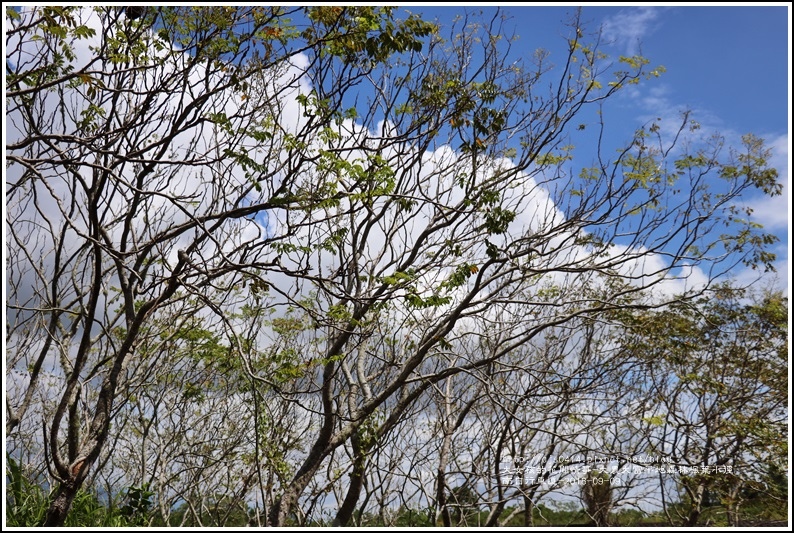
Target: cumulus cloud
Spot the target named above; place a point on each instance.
(431, 183)
(47, 213)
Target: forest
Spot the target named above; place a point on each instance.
(344, 266)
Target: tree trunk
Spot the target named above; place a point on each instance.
(732, 506)
(693, 517)
(697, 505)
(441, 500)
(345, 512)
(279, 512)
(528, 521)
(60, 505)
(351, 499)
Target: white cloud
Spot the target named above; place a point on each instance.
(774, 212)
(628, 27)
(656, 106)
(536, 210)
(392, 238)
(57, 192)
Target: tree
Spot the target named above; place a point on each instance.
(131, 187)
(717, 391)
(597, 497)
(386, 196)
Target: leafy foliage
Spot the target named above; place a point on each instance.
(272, 265)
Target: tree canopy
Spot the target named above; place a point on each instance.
(305, 265)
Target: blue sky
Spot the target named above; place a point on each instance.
(729, 60)
(728, 64)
